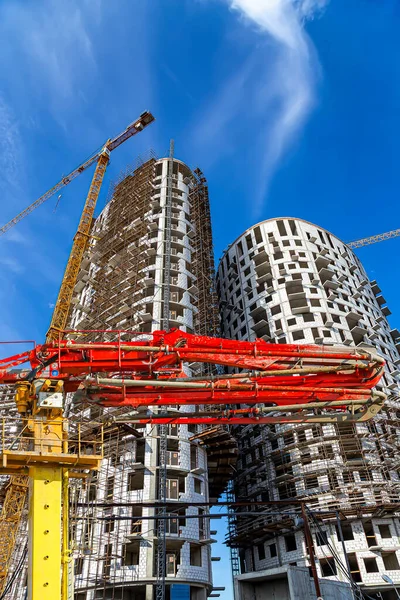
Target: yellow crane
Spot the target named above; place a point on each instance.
(16, 491)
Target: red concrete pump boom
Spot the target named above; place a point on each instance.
(335, 382)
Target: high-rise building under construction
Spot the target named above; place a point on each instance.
(149, 266)
(289, 281)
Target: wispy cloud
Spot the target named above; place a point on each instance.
(10, 146)
(276, 85)
(51, 44)
(12, 264)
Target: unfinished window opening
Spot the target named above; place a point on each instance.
(369, 533)
(310, 482)
(172, 489)
(136, 523)
(172, 563)
(384, 531)
(78, 567)
(261, 551)
(172, 445)
(290, 542)
(135, 480)
(272, 550)
(249, 242)
(195, 555)
(308, 317)
(315, 302)
(298, 335)
(107, 560)
(354, 568)
(92, 492)
(281, 228)
(293, 227)
(328, 566)
(110, 487)
(140, 451)
(171, 524)
(202, 524)
(321, 537)
(390, 561)
(173, 430)
(288, 438)
(130, 553)
(193, 456)
(197, 485)
(347, 532)
(110, 523)
(258, 235)
(87, 536)
(371, 565)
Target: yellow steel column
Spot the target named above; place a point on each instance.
(67, 580)
(45, 556)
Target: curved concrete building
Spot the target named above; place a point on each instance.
(149, 267)
(289, 281)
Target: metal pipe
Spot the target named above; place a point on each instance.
(346, 558)
(310, 546)
(252, 352)
(145, 382)
(212, 385)
(294, 371)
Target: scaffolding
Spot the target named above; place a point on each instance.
(326, 466)
(207, 321)
(114, 269)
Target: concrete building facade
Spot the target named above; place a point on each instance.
(153, 238)
(288, 281)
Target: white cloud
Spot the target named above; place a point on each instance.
(50, 43)
(12, 264)
(291, 83)
(10, 146)
(272, 93)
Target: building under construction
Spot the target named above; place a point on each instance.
(289, 281)
(150, 266)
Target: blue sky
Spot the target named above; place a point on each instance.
(290, 107)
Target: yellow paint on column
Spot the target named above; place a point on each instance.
(45, 557)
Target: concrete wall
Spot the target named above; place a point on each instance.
(291, 583)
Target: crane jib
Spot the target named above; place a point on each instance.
(145, 119)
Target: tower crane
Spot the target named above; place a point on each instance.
(17, 487)
(380, 237)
